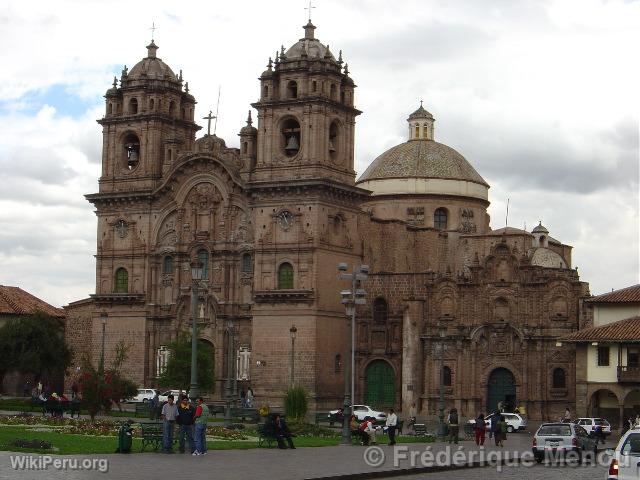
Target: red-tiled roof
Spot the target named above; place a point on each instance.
(627, 330)
(15, 301)
(624, 295)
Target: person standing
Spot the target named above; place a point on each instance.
(452, 422)
(154, 405)
(501, 432)
(186, 417)
(169, 415)
(201, 419)
(413, 416)
(74, 390)
(243, 398)
(567, 415)
(39, 388)
(250, 397)
(391, 423)
(493, 421)
(480, 429)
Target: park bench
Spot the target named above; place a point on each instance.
(266, 435)
(469, 433)
(142, 408)
(37, 404)
(326, 417)
(215, 409)
(242, 414)
(74, 407)
(420, 429)
(151, 435)
(53, 407)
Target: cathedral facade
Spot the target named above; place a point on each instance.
(269, 222)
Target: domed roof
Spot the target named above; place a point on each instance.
(152, 67)
(543, 257)
(309, 46)
(422, 159)
(420, 113)
(249, 129)
(540, 229)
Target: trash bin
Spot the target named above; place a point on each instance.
(125, 435)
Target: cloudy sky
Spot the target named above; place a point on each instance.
(540, 96)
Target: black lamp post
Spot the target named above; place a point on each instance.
(196, 276)
(103, 317)
(442, 331)
(293, 332)
(229, 386)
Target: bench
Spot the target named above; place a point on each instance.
(469, 431)
(326, 417)
(36, 403)
(420, 429)
(215, 409)
(243, 413)
(151, 435)
(142, 408)
(54, 407)
(74, 407)
(266, 435)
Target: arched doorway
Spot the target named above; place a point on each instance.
(380, 384)
(501, 387)
(631, 405)
(604, 403)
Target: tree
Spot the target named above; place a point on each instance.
(34, 344)
(177, 373)
(102, 388)
(296, 403)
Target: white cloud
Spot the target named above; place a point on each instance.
(541, 97)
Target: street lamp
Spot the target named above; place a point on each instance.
(293, 331)
(442, 331)
(196, 276)
(103, 317)
(351, 298)
(230, 345)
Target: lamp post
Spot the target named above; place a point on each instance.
(293, 331)
(441, 428)
(229, 399)
(196, 276)
(351, 298)
(103, 317)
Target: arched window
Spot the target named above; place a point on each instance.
(417, 134)
(246, 263)
(265, 91)
(559, 378)
(203, 258)
(131, 151)
(122, 281)
(337, 363)
(167, 264)
(446, 376)
(133, 106)
(332, 91)
(292, 89)
(172, 107)
(314, 86)
(440, 219)
(291, 137)
(380, 310)
(285, 276)
(110, 109)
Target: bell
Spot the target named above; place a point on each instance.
(292, 145)
(331, 147)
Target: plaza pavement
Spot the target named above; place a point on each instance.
(336, 463)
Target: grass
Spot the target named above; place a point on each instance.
(66, 444)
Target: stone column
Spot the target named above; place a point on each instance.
(411, 353)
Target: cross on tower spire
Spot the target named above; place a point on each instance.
(309, 8)
(209, 118)
(153, 30)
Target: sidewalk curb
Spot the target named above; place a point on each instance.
(415, 470)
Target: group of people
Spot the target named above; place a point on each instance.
(367, 430)
(497, 429)
(246, 398)
(192, 422)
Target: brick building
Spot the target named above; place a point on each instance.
(271, 220)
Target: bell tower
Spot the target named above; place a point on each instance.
(306, 117)
(148, 121)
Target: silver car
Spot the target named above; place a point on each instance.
(625, 464)
(568, 440)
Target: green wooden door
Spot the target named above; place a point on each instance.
(380, 385)
(501, 388)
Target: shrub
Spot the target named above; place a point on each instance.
(296, 403)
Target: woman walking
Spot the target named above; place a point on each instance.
(501, 432)
(480, 429)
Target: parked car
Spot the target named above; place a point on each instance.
(554, 438)
(362, 411)
(144, 395)
(590, 424)
(515, 422)
(163, 397)
(625, 461)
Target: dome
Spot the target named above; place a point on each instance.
(540, 229)
(152, 67)
(422, 159)
(420, 113)
(308, 46)
(543, 257)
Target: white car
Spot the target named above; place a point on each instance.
(163, 397)
(143, 396)
(626, 457)
(515, 422)
(362, 411)
(590, 424)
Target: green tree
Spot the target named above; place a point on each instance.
(102, 388)
(296, 403)
(177, 373)
(34, 344)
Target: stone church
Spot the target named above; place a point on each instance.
(271, 220)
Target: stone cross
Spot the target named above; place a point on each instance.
(309, 8)
(209, 118)
(153, 30)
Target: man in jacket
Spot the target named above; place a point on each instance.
(186, 417)
(452, 421)
(281, 432)
(168, 414)
(201, 419)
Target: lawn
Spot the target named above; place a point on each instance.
(65, 443)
